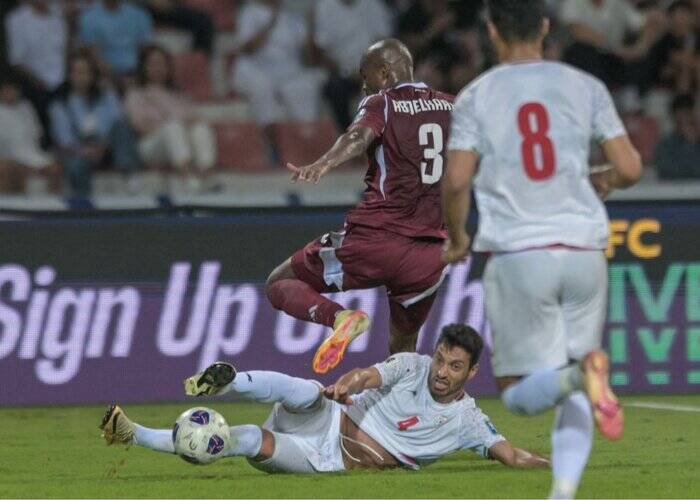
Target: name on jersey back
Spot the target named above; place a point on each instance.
(421, 105)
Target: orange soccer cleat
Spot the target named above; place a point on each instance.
(606, 409)
(348, 326)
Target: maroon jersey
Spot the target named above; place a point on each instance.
(410, 122)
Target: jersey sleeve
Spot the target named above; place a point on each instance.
(465, 133)
(478, 434)
(606, 121)
(371, 113)
(396, 367)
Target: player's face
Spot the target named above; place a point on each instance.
(449, 372)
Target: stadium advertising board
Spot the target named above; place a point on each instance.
(125, 310)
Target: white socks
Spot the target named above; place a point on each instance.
(571, 444)
(269, 387)
(154, 439)
(246, 440)
(542, 390)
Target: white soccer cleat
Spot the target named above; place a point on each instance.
(210, 381)
(116, 426)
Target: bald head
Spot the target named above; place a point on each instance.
(385, 64)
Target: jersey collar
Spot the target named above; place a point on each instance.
(418, 85)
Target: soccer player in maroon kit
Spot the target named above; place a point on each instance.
(394, 236)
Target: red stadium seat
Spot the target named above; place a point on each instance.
(192, 74)
(222, 11)
(303, 143)
(241, 146)
(644, 133)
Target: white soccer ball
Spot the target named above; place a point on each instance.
(201, 435)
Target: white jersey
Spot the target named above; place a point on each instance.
(403, 417)
(531, 123)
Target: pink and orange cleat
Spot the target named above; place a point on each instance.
(606, 409)
(348, 326)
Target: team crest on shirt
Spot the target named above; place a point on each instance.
(441, 420)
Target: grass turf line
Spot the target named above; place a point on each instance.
(56, 452)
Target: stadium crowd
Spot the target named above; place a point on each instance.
(199, 84)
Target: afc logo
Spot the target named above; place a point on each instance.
(634, 236)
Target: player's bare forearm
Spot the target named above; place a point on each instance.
(350, 145)
(626, 162)
(353, 382)
(518, 458)
(455, 210)
(456, 192)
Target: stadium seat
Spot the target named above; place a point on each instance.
(241, 146)
(192, 74)
(644, 133)
(222, 11)
(303, 143)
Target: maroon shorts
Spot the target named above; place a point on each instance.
(363, 257)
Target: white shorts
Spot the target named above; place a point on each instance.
(305, 441)
(545, 307)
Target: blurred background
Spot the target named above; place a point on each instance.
(140, 104)
(144, 198)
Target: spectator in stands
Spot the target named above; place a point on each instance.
(37, 42)
(678, 154)
(87, 124)
(342, 31)
(270, 70)
(20, 131)
(445, 43)
(115, 30)
(170, 130)
(672, 63)
(178, 15)
(599, 28)
(673, 57)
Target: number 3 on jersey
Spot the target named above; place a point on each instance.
(533, 122)
(431, 169)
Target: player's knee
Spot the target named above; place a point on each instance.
(511, 401)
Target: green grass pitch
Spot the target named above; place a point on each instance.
(57, 452)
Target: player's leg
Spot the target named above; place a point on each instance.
(412, 288)
(246, 440)
(522, 305)
(584, 303)
(323, 266)
(294, 393)
(300, 296)
(306, 441)
(405, 323)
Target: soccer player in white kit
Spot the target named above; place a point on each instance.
(522, 132)
(407, 411)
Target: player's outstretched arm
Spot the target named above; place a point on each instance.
(351, 144)
(518, 458)
(353, 382)
(456, 192)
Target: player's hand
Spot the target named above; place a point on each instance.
(455, 251)
(338, 392)
(603, 180)
(309, 173)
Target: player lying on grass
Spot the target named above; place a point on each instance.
(394, 236)
(407, 411)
